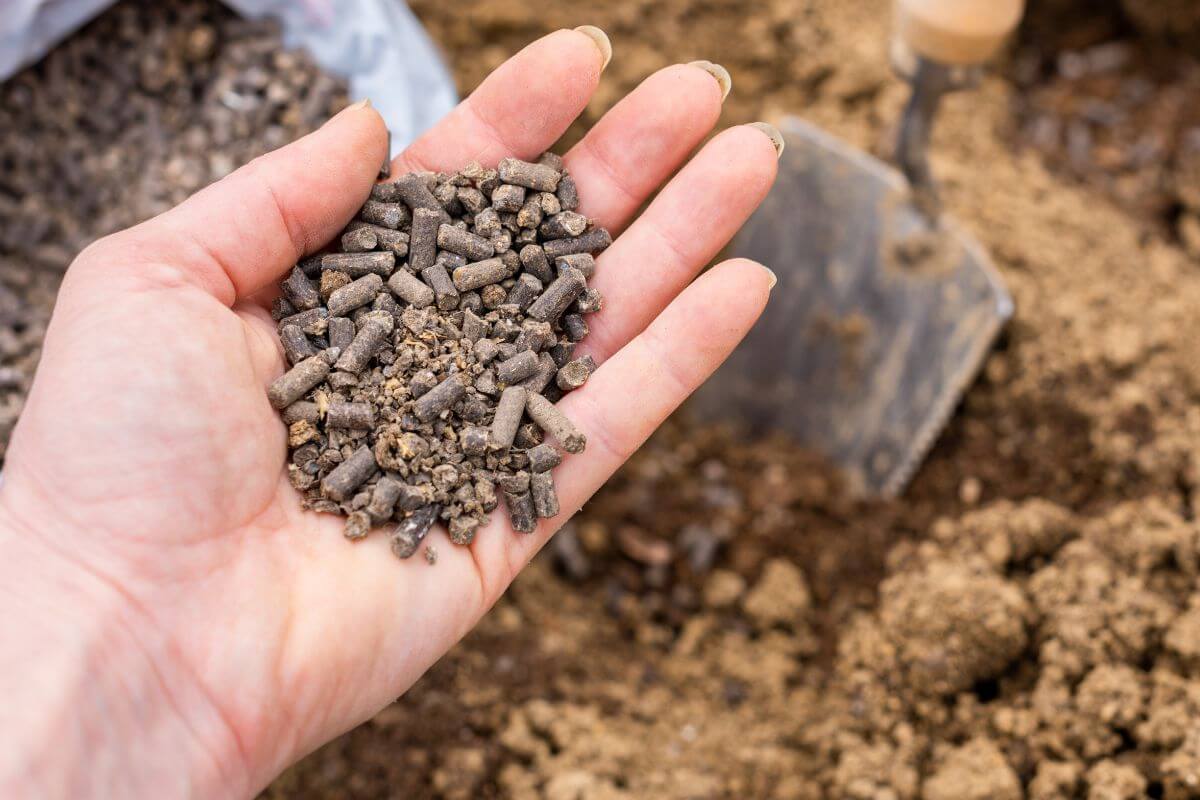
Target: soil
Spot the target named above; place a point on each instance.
(721, 622)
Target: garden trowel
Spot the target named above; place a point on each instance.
(885, 307)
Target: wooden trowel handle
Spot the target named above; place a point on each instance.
(957, 32)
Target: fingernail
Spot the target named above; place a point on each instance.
(720, 73)
(772, 133)
(772, 280)
(602, 43)
(361, 104)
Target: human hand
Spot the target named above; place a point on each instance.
(195, 629)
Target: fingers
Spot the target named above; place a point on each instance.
(683, 229)
(240, 234)
(638, 144)
(521, 109)
(629, 396)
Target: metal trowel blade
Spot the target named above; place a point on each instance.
(879, 322)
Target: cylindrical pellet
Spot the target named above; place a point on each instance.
(354, 295)
(415, 194)
(474, 441)
(386, 215)
(533, 259)
(542, 376)
(524, 291)
(517, 368)
(441, 397)
(584, 262)
(341, 332)
(562, 352)
(485, 350)
(575, 326)
(356, 416)
(540, 177)
(298, 381)
(410, 289)
(366, 344)
(422, 246)
(558, 296)
(385, 192)
(465, 243)
(443, 288)
(296, 345)
(313, 322)
(479, 274)
(386, 238)
(593, 242)
(352, 473)
(531, 215)
(589, 302)
(507, 419)
(521, 512)
(302, 410)
(508, 199)
(383, 498)
(545, 499)
(300, 291)
(311, 265)
(575, 373)
(567, 193)
(563, 225)
(552, 160)
(408, 534)
(542, 458)
(554, 422)
(473, 328)
(356, 265)
(360, 240)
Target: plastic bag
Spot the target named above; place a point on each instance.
(377, 45)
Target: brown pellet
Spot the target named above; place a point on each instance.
(485, 350)
(462, 529)
(508, 199)
(533, 259)
(465, 243)
(554, 422)
(386, 238)
(443, 288)
(558, 296)
(479, 274)
(366, 344)
(473, 328)
(340, 484)
(360, 240)
(593, 241)
(296, 345)
(544, 457)
(524, 291)
(441, 397)
(385, 192)
(517, 368)
(297, 381)
(358, 525)
(302, 410)
(386, 215)
(410, 289)
(341, 332)
(422, 246)
(280, 308)
(507, 419)
(358, 265)
(539, 177)
(545, 499)
(474, 441)
(552, 160)
(354, 295)
(575, 326)
(543, 376)
(575, 373)
(563, 225)
(584, 262)
(416, 526)
(413, 497)
(562, 352)
(355, 416)
(531, 214)
(522, 514)
(590, 302)
(313, 322)
(300, 291)
(311, 265)
(567, 194)
(415, 194)
(383, 499)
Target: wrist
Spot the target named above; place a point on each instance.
(98, 704)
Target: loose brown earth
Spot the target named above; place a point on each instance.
(1024, 623)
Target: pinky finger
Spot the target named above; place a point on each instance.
(633, 393)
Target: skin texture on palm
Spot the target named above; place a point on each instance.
(155, 552)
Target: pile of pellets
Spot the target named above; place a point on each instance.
(450, 315)
(124, 119)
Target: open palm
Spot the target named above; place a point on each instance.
(148, 467)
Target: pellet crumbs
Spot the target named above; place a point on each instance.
(427, 353)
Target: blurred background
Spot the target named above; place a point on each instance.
(721, 621)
